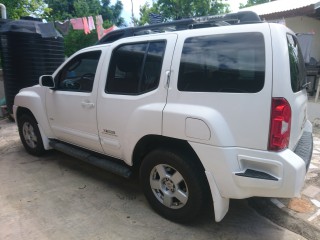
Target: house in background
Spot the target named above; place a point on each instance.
(302, 16)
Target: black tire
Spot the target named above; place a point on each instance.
(30, 135)
(184, 178)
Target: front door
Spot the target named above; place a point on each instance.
(71, 107)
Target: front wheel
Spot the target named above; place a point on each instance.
(30, 135)
(174, 185)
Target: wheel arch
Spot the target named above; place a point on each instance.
(32, 101)
(155, 145)
(151, 142)
(20, 111)
(29, 132)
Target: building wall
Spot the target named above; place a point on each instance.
(1, 85)
(306, 25)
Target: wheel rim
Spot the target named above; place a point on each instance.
(169, 186)
(29, 135)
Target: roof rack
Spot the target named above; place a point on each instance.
(244, 17)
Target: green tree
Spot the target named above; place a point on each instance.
(218, 7)
(86, 7)
(20, 8)
(252, 3)
(112, 12)
(179, 9)
(66, 9)
(76, 40)
(145, 10)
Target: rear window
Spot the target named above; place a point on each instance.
(297, 67)
(223, 63)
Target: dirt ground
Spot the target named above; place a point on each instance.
(59, 197)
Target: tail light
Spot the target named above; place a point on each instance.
(280, 124)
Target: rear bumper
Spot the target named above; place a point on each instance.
(242, 173)
(304, 148)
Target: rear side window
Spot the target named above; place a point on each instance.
(297, 67)
(135, 68)
(223, 63)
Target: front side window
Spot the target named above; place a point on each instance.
(78, 75)
(135, 68)
(223, 63)
(297, 67)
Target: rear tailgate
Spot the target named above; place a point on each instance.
(289, 81)
(301, 140)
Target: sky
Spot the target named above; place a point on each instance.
(126, 13)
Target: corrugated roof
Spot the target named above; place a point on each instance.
(281, 6)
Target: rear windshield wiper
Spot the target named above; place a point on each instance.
(306, 85)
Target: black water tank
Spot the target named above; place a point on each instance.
(28, 49)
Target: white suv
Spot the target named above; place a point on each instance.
(203, 114)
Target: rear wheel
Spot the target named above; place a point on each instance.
(30, 135)
(174, 185)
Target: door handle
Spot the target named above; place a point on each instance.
(87, 104)
(168, 75)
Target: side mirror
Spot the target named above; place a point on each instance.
(46, 81)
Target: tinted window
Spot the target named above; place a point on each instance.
(78, 75)
(297, 67)
(223, 63)
(135, 68)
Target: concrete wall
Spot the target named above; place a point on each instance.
(305, 25)
(1, 85)
(314, 111)
(1, 91)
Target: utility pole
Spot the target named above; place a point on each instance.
(132, 15)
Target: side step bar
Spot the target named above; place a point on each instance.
(106, 162)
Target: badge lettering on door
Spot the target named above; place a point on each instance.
(109, 132)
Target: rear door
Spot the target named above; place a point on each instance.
(133, 93)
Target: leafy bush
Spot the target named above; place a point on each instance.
(76, 40)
